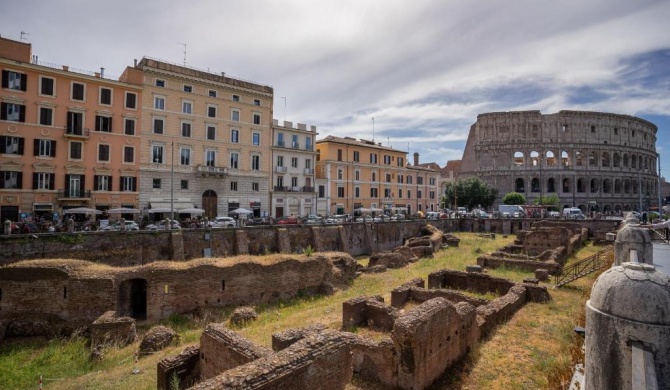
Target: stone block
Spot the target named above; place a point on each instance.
(473, 268)
(542, 274)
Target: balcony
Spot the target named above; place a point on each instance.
(280, 144)
(309, 148)
(74, 193)
(309, 171)
(281, 189)
(207, 170)
(387, 200)
(307, 189)
(74, 132)
(295, 145)
(280, 169)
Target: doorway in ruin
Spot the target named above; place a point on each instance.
(132, 300)
(209, 201)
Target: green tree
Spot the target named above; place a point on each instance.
(514, 198)
(470, 193)
(548, 200)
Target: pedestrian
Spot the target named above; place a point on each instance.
(662, 225)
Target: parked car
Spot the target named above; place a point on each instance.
(130, 226)
(288, 221)
(398, 217)
(432, 215)
(313, 220)
(365, 218)
(221, 222)
(477, 213)
(554, 214)
(160, 225)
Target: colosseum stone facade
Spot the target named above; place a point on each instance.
(591, 160)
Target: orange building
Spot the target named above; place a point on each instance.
(68, 138)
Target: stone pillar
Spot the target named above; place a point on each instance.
(8, 227)
(123, 224)
(632, 236)
(168, 224)
(70, 225)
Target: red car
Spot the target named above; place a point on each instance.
(288, 221)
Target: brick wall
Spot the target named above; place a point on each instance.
(222, 349)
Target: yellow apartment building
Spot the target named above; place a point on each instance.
(68, 138)
(206, 141)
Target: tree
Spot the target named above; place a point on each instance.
(548, 200)
(470, 193)
(514, 198)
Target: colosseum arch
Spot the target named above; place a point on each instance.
(616, 160)
(519, 159)
(550, 159)
(581, 185)
(534, 159)
(636, 186)
(567, 185)
(605, 159)
(579, 159)
(617, 208)
(633, 161)
(535, 185)
(551, 185)
(618, 187)
(519, 185)
(593, 159)
(565, 159)
(639, 160)
(626, 186)
(595, 185)
(625, 160)
(607, 186)
(607, 208)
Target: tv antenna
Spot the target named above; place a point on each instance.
(22, 34)
(183, 44)
(284, 97)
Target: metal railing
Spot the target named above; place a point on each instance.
(77, 132)
(74, 193)
(584, 267)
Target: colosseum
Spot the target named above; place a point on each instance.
(591, 160)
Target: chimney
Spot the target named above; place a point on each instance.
(416, 158)
(102, 72)
(135, 60)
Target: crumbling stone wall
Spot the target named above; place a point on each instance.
(183, 366)
(109, 329)
(368, 311)
(222, 349)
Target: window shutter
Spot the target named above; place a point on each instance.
(69, 121)
(35, 180)
(82, 186)
(3, 111)
(5, 79)
(19, 180)
(97, 123)
(52, 152)
(134, 184)
(21, 142)
(67, 184)
(110, 125)
(52, 180)
(3, 144)
(22, 113)
(36, 147)
(2, 179)
(95, 182)
(109, 185)
(24, 82)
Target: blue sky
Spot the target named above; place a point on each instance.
(423, 69)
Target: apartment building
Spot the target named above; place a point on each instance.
(293, 178)
(425, 182)
(67, 137)
(205, 141)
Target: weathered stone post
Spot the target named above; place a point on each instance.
(123, 224)
(632, 236)
(70, 225)
(206, 222)
(8, 227)
(168, 224)
(629, 311)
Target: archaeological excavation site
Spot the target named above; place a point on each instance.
(406, 335)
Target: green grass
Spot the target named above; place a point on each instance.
(538, 336)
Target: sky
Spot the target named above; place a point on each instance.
(423, 69)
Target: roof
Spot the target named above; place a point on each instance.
(361, 142)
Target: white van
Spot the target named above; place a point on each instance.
(573, 213)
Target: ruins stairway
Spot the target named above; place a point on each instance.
(583, 267)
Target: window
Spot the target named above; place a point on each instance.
(373, 176)
(235, 136)
(158, 126)
(128, 184)
(308, 163)
(131, 100)
(212, 93)
(256, 139)
(128, 154)
(211, 111)
(257, 118)
(233, 186)
(10, 179)
(373, 158)
(409, 179)
(44, 148)
(129, 126)
(12, 112)
(78, 91)
(280, 161)
(102, 183)
(234, 160)
(387, 192)
(409, 194)
(46, 116)
(185, 156)
(236, 98)
(103, 123)
(43, 181)
(235, 116)
(187, 107)
(103, 152)
(388, 177)
(105, 96)
(294, 162)
(357, 192)
(76, 150)
(255, 163)
(14, 80)
(280, 181)
(340, 192)
(188, 88)
(294, 142)
(211, 133)
(387, 159)
(400, 179)
(593, 129)
(210, 158)
(184, 184)
(399, 193)
(357, 175)
(160, 83)
(431, 181)
(47, 86)
(157, 154)
(75, 123)
(322, 191)
(255, 187)
(357, 156)
(11, 145)
(186, 129)
(419, 180)
(339, 154)
(418, 194)
(257, 102)
(401, 161)
(280, 139)
(159, 102)
(340, 174)
(432, 194)
(308, 143)
(156, 183)
(373, 192)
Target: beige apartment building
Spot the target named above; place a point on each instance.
(68, 138)
(205, 142)
(293, 156)
(355, 175)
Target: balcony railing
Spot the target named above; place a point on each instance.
(280, 169)
(309, 171)
(74, 193)
(309, 148)
(281, 189)
(208, 169)
(293, 189)
(295, 145)
(280, 144)
(307, 189)
(77, 132)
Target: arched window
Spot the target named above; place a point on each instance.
(579, 159)
(567, 185)
(625, 161)
(534, 159)
(535, 185)
(616, 162)
(618, 186)
(581, 185)
(626, 186)
(594, 186)
(593, 158)
(518, 159)
(565, 159)
(633, 161)
(605, 159)
(607, 186)
(550, 159)
(551, 187)
(519, 185)
(636, 186)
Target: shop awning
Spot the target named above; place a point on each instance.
(166, 206)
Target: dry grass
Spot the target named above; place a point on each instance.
(532, 350)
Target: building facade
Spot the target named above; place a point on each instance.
(68, 138)
(355, 175)
(293, 178)
(205, 141)
(591, 160)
